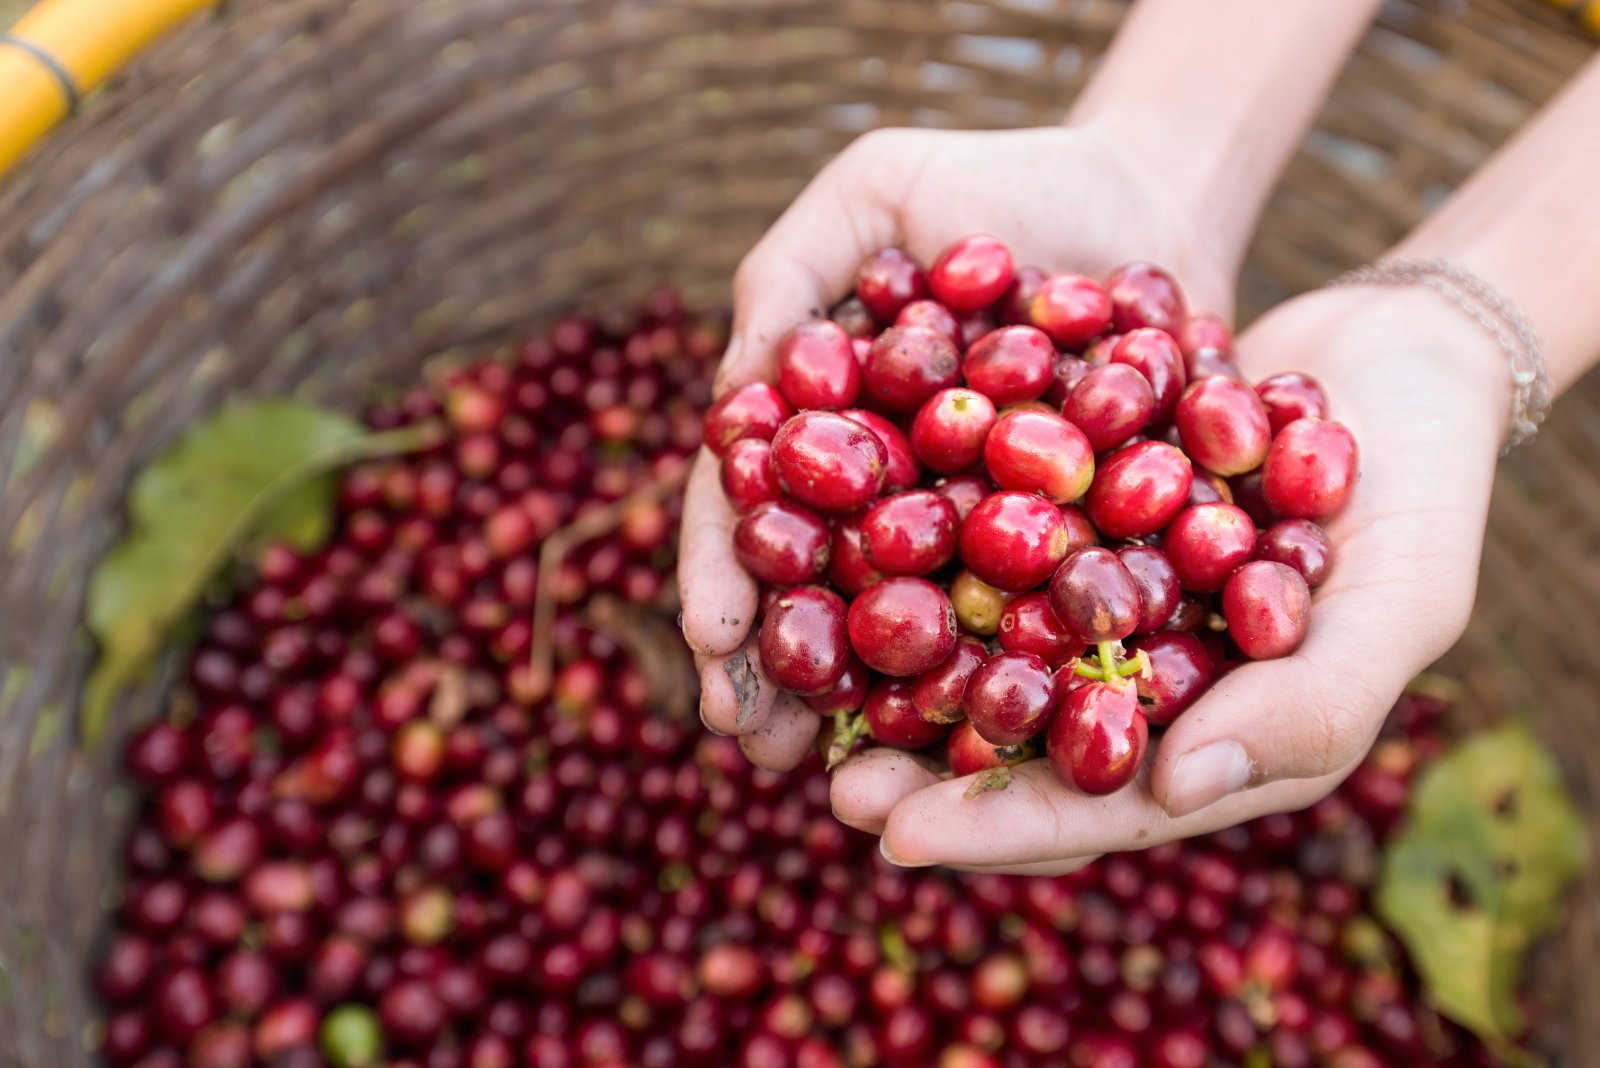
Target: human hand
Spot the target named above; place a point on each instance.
(1425, 393)
(1063, 198)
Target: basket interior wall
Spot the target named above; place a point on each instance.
(316, 197)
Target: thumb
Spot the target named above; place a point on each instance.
(806, 261)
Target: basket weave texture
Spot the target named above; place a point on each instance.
(309, 196)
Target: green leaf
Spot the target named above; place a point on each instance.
(259, 468)
(1479, 873)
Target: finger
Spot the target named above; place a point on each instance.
(719, 598)
(735, 694)
(865, 787)
(1316, 711)
(1038, 819)
(808, 259)
(1047, 868)
(784, 738)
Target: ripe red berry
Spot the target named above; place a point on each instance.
(937, 692)
(753, 411)
(804, 646)
(1110, 404)
(781, 543)
(965, 491)
(847, 693)
(1290, 396)
(888, 281)
(1029, 625)
(817, 367)
(747, 476)
(1138, 490)
(902, 471)
(1097, 737)
(1013, 540)
(971, 273)
(1310, 469)
(902, 626)
(1268, 608)
(892, 718)
(967, 753)
(934, 316)
(949, 430)
(1206, 542)
(1144, 295)
(1299, 543)
(909, 533)
(1009, 697)
(1223, 425)
(828, 462)
(1095, 597)
(1157, 580)
(1181, 669)
(1039, 452)
(848, 567)
(1154, 354)
(1010, 365)
(1071, 309)
(906, 366)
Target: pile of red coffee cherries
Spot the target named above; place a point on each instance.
(973, 484)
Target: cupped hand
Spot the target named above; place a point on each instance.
(1425, 393)
(1062, 198)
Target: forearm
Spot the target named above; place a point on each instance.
(1528, 223)
(1218, 95)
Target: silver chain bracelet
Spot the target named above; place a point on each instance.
(1530, 379)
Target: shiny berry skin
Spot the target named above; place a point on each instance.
(1010, 365)
(967, 753)
(1268, 608)
(1029, 625)
(906, 366)
(978, 605)
(129, 963)
(902, 471)
(893, 719)
(1206, 542)
(848, 567)
(817, 367)
(747, 476)
(781, 543)
(804, 646)
(182, 1003)
(157, 753)
(1013, 540)
(1071, 309)
(1310, 469)
(972, 273)
(937, 692)
(1299, 543)
(1095, 597)
(1155, 355)
(1223, 425)
(1205, 333)
(847, 693)
(411, 1013)
(1181, 669)
(1098, 736)
(753, 411)
(1157, 580)
(1110, 404)
(828, 462)
(888, 281)
(1009, 697)
(1138, 490)
(902, 626)
(909, 533)
(1039, 452)
(1208, 488)
(1290, 396)
(965, 491)
(1014, 308)
(949, 430)
(934, 316)
(1143, 295)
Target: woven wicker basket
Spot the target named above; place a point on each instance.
(315, 196)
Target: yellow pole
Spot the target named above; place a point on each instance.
(66, 48)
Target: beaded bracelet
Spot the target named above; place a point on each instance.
(1530, 379)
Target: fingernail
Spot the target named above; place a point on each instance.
(883, 847)
(1207, 775)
